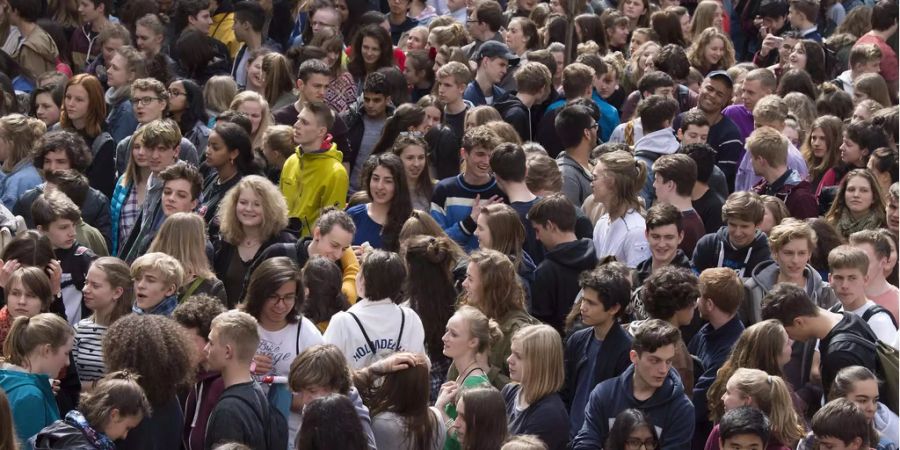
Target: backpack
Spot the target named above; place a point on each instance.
(273, 422)
(371, 344)
(875, 309)
(887, 359)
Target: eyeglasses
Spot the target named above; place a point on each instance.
(144, 101)
(634, 444)
(175, 94)
(286, 299)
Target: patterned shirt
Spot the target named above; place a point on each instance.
(88, 351)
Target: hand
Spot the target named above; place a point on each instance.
(446, 395)
(393, 363)
(770, 43)
(263, 364)
(54, 385)
(54, 271)
(479, 204)
(7, 269)
(361, 251)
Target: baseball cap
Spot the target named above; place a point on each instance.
(494, 49)
(721, 75)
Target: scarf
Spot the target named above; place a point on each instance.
(5, 324)
(96, 438)
(164, 308)
(847, 225)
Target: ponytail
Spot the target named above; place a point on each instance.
(772, 395)
(28, 333)
(118, 390)
(407, 115)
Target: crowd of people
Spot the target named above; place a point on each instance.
(449, 224)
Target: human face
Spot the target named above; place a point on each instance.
(76, 101)
(483, 232)
(717, 18)
(448, 91)
(416, 41)
(858, 196)
(865, 395)
(472, 283)
(314, 88)
(784, 52)
(664, 241)
(516, 362)
(21, 302)
(602, 184)
(515, 38)
(382, 185)
(150, 289)
(58, 359)
(140, 154)
(817, 143)
(375, 105)
(177, 97)
(413, 157)
(343, 11)
(161, 157)
(892, 210)
(61, 233)
(733, 397)
(118, 426)
(793, 257)
(860, 113)
(640, 438)
(216, 351)
(458, 340)
(637, 40)
(459, 424)
(786, 350)
(399, 7)
(87, 11)
(109, 49)
(714, 52)
(254, 112)
(279, 304)
(56, 160)
(746, 441)
(751, 92)
(741, 233)
(46, 109)
(695, 134)
(98, 293)
(412, 75)
(202, 21)
(332, 244)
(217, 154)
(148, 41)
(432, 117)
(478, 162)
(714, 94)
(495, 68)
(791, 133)
(593, 312)
(851, 153)
(148, 106)
(177, 197)
(607, 84)
(371, 50)
(249, 209)
(686, 24)
(618, 36)
(798, 57)
(325, 18)
(255, 74)
(850, 285)
(633, 9)
(833, 443)
(652, 368)
(306, 129)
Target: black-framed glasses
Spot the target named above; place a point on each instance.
(176, 94)
(635, 444)
(144, 101)
(290, 298)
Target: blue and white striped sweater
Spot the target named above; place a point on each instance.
(452, 203)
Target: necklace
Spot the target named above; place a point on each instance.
(465, 373)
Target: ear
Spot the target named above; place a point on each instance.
(317, 233)
(171, 290)
(118, 292)
(680, 236)
(194, 203)
(115, 415)
(633, 356)
(299, 84)
(830, 279)
(679, 134)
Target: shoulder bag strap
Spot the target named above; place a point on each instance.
(402, 323)
(366, 335)
(191, 289)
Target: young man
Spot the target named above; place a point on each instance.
(849, 275)
(452, 79)
(567, 256)
(840, 335)
(656, 114)
(241, 414)
(865, 58)
(365, 121)
(484, 23)
(757, 84)
(157, 277)
(94, 15)
(650, 384)
(533, 82)
(36, 53)
(878, 249)
(55, 216)
(707, 201)
(673, 180)
(654, 82)
(770, 111)
(249, 18)
(803, 15)
(842, 425)
(774, 17)
(577, 81)
(745, 427)
(181, 186)
(721, 292)
(494, 59)
(196, 315)
(398, 18)
(739, 244)
(672, 61)
(323, 180)
(694, 129)
(600, 351)
(768, 150)
(75, 185)
(664, 236)
(884, 25)
(609, 115)
(457, 201)
(577, 131)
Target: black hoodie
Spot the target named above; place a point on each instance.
(518, 115)
(556, 280)
(715, 250)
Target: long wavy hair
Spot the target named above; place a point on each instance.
(183, 237)
(20, 132)
(507, 231)
(400, 207)
(424, 183)
(501, 291)
(839, 206)
(406, 393)
(429, 286)
(405, 116)
(697, 53)
(357, 66)
(832, 127)
(274, 209)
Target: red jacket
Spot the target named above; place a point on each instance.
(208, 388)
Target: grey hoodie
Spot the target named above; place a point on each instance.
(648, 149)
(765, 276)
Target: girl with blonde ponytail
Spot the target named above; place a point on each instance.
(769, 393)
(618, 180)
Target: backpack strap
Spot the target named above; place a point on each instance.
(191, 289)
(299, 324)
(366, 335)
(851, 337)
(264, 418)
(402, 324)
(877, 309)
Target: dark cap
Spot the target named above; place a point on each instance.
(772, 9)
(721, 75)
(494, 49)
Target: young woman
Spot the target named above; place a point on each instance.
(858, 204)
(632, 430)
(412, 151)
(371, 50)
(160, 353)
(274, 297)
(711, 50)
(379, 221)
(218, 93)
(28, 293)
(883, 165)
(230, 153)
(754, 387)
(37, 348)
(684, 19)
(637, 12)
(401, 417)
(667, 25)
(256, 82)
(127, 65)
(322, 283)
(871, 86)
(252, 218)
(775, 212)
(865, 110)
(618, 178)
(481, 423)
(257, 110)
(533, 404)
(17, 134)
(183, 237)
(84, 112)
(640, 62)
(106, 414)
(500, 228)
(46, 103)
(8, 439)
(109, 292)
(809, 56)
(708, 14)
(279, 83)
(822, 148)
(522, 36)
(859, 385)
(130, 193)
(188, 109)
(278, 146)
(408, 120)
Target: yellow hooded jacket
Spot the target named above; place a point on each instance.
(311, 182)
(221, 29)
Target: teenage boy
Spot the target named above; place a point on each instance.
(739, 244)
(664, 236)
(884, 25)
(721, 293)
(577, 131)
(94, 15)
(848, 276)
(770, 111)
(839, 334)
(773, 15)
(706, 199)
(672, 61)
(55, 217)
(533, 82)
(157, 277)
(192, 14)
(651, 384)
(878, 248)
(577, 83)
(75, 185)
(654, 82)
(196, 315)
(673, 180)
(600, 351)
(452, 79)
(841, 425)
(757, 84)
(484, 23)
(323, 180)
(694, 129)
(399, 20)
(457, 201)
(567, 256)
(768, 152)
(745, 427)
(656, 114)
(36, 52)
(494, 59)
(181, 186)
(242, 414)
(365, 121)
(609, 115)
(865, 58)
(803, 15)
(249, 19)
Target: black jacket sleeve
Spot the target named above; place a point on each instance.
(102, 172)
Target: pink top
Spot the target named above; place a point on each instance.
(889, 61)
(889, 300)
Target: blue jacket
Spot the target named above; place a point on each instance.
(451, 204)
(22, 178)
(473, 94)
(609, 116)
(669, 410)
(120, 121)
(32, 402)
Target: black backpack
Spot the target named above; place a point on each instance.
(274, 424)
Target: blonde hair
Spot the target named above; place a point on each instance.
(791, 229)
(542, 354)
(696, 53)
(628, 175)
(275, 213)
(874, 87)
(265, 121)
(501, 290)
(183, 237)
(277, 75)
(280, 139)
(28, 333)
(116, 391)
(239, 329)
(218, 93)
(132, 171)
(21, 132)
(771, 394)
(486, 331)
(704, 15)
(768, 144)
(168, 267)
(524, 441)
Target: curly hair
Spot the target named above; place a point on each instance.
(696, 54)
(156, 348)
(501, 290)
(77, 151)
(669, 290)
(275, 212)
(198, 311)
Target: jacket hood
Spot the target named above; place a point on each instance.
(42, 44)
(527, 267)
(645, 267)
(765, 274)
(671, 389)
(511, 102)
(331, 153)
(660, 141)
(759, 241)
(578, 254)
(13, 377)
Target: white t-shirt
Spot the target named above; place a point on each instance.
(880, 323)
(623, 238)
(381, 320)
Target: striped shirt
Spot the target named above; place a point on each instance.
(88, 351)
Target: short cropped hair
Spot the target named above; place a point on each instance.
(882, 244)
(250, 12)
(704, 156)
(70, 182)
(864, 53)
(460, 73)
(554, 208)
(791, 229)
(532, 77)
(543, 174)
(656, 110)
(161, 133)
(321, 365)
(768, 144)
(653, 80)
(662, 214)
(672, 60)
(238, 329)
(198, 312)
(669, 290)
(743, 205)
(182, 170)
(745, 420)
(769, 109)
(490, 13)
(312, 67)
(693, 117)
(611, 285)
(866, 135)
(323, 113)
(765, 77)
(723, 287)
(508, 162)
(570, 124)
(52, 206)
(678, 168)
(847, 257)
(377, 83)
(809, 8)
(653, 334)
(884, 15)
(480, 136)
(168, 267)
(842, 419)
(576, 79)
(786, 302)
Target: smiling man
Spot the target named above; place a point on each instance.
(739, 244)
(664, 235)
(365, 121)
